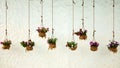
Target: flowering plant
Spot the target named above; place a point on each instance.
(72, 45)
(29, 44)
(112, 46)
(42, 29)
(82, 34)
(94, 45)
(6, 44)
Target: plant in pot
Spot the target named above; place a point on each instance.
(112, 46)
(72, 45)
(28, 45)
(42, 31)
(6, 44)
(94, 45)
(52, 43)
(82, 34)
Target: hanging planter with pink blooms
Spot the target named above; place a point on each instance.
(6, 44)
(28, 45)
(42, 30)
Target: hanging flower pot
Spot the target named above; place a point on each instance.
(113, 46)
(28, 45)
(52, 43)
(42, 31)
(72, 45)
(82, 34)
(94, 45)
(6, 44)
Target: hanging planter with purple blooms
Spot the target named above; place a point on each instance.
(94, 45)
(112, 46)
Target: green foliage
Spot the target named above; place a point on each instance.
(29, 42)
(52, 40)
(71, 44)
(6, 43)
(24, 44)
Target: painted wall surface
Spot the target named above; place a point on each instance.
(61, 57)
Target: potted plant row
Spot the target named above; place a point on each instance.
(82, 34)
(6, 44)
(72, 45)
(112, 46)
(28, 45)
(42, 31)
(52, 43)
(94, 45)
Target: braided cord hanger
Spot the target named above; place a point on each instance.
(83, 14)
(94, 20)
(28, 19)
(113, 20)
(73, 3)
(41, 12)
(52, 21)
(6, 18)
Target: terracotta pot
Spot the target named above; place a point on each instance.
(29, 48)
(51, 46)
(83, 37)
(6, 46)
(93, 48)
(114, 50)
(73, 48)
(41, 34)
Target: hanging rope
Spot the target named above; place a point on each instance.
(73, 3)
(94, 20)
(6, 17)
(28, 19)
(113, 20)
(41, 13)
(52, 20)
(83, 14)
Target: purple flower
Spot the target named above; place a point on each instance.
(113, 44)
(94, 43)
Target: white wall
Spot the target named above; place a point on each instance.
(61, 57)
